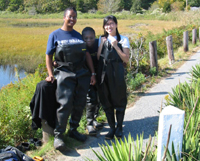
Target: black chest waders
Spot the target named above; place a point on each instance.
(112, 87)
(73, 80)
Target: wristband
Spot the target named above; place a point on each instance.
(93, 73)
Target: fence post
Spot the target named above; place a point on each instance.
(194, 36)
(170, 115)
(170, 50)
(185, 41)
(199, 33)
(153, 54)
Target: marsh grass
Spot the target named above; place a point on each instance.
(23, 41)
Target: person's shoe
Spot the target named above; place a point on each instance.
(110, 134)
(59, 144)
(118, 132)
(76, 135)
(91, 130)
(97, 125)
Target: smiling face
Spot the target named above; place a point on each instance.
(89, 38)
(110, 27)
(70, 18)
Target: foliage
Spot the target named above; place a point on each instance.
(125, 151)
(166, 7)
(136, 7)
(108, 6)
(195, 3)
(15, 115)
(137, 53)
(153, 71)
(195, 73)
(177, 6)
(135, 82)
(177, 34)
(186, 97)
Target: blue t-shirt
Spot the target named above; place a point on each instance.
(61, 37)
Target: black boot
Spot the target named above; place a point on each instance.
(59, 143)
(120, 118)
(111, 122)
(76, 135)
(91, 130)
(96, 124)
(90, 118)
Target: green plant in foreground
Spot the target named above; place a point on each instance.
(129, 150)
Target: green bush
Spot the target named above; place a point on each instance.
(15, 115)
(166, 7)
(133, 83)
(177, 6)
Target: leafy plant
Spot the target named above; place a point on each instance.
(129, 150)
(133, 83)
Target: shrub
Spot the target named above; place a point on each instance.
(177, 6)
(133, 83)
(166, 7)
(15, 115)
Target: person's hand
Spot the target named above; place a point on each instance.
(50, 79)
(103, 39)
(93, 80)
(114, 43)
(55, 64)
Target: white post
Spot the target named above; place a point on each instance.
(170, 115)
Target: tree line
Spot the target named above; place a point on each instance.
(104, 6)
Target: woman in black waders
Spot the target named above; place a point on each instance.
(73, 77)
(113, 52)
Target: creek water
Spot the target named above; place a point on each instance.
(8, 74)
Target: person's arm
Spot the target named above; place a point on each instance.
(91, 67)
(124, 53)
(103, 39)
(49, 66)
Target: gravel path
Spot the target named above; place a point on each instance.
(141, 118)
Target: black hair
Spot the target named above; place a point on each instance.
(88, 29)
(106, 19)
(70, 8)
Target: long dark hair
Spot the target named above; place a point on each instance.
(106, 19)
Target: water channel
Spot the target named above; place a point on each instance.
(8, 74)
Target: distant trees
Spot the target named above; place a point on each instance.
(108, 5)
(51, 6)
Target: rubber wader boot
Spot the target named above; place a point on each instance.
(111, 122)
(90, 118)
(59, 143)
(96, 124)
(120, 118)
(76, 135)
(91, 130)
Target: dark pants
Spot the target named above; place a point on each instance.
(93, 104)
(72, 88)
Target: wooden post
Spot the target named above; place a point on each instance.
(153, 54)
(170, 50)
(199, 34)
(194, 36)
(185, 41)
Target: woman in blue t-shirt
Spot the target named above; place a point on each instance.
(73, 78)
(113, 52)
